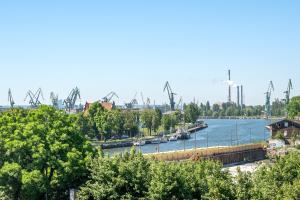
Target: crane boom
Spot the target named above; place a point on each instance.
(288, 92)
(268, 94)
(10, 99)
(171, 95)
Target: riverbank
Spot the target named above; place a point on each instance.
(129, 142)
(242, 117)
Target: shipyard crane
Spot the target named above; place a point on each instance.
(171, 95)
(10, 99)
(54, 99)
(268, 99)
(148, 102)
(109, 97)
(142, 96)
(133, 102)
(34, 98)
(70, 101)
(288, 92)
(179, 105)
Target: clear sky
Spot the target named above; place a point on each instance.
(133, 46)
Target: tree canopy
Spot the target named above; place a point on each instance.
(43, 153)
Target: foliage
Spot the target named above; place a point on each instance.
(293, 107)
(131, 176)
(103, 124)
(279, 135)
(43, 153)
(122, 177)
(151, 119)
(191, 113)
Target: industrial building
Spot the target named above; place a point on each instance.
(286, 126)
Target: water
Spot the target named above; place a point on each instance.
(220, 132)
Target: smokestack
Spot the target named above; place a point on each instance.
(242, 96)
(229, 88)
(238, 96)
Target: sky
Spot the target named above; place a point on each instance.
(136, 46)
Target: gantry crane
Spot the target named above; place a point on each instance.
(54, 99)
(268, 94)
(133, 102)
(109, 97)
(171, 95)
(70, 101)
(288, 92)
(10, 99)
(34, 98)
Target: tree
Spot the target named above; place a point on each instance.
(216, 108)
(147, 119)
(88, 121)
(166, 122)
(131, 122)
(191, 113)
(48, 147)
(122, 177)
(167, 182)
(156, 119)
(10, 180)
(243, 186)
(293, 107)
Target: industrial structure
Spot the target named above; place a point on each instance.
(132, 103)
(10, 99)
(171, 95)
(54, 99)
(110, 96)
(242, 97)
(268, 109)
(238, 96)
(70, 101)
(229, 86)
(34, 98)
(288, 92)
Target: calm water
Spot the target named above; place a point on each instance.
(220, 132)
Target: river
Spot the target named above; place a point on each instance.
(220, 132)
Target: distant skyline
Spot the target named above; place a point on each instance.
(136, 46)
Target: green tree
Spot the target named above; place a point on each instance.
(293, 107)
(167, 182)
(10, 180)
(191, 113)
(167, 122)
(122, 177)
(48, 146)
(156, 119)
(243, 185)
(131, 122)
(147, 117)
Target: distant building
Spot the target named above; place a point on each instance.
(287, 127)
(105, 105)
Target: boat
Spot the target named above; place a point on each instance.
(173, 138)
(182, 134)
(156, 141)
(139, 143)
(164, 139)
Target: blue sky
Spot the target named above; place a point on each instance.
(134, 46)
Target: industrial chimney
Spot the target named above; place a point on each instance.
(229, 87)
(242, 97)
(238, 96)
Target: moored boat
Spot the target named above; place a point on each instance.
(139, 143)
